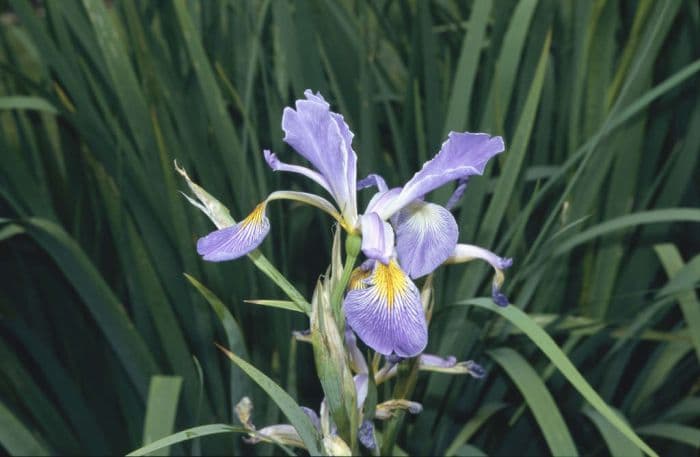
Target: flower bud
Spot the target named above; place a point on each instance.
(244, 410)
(334, 445)
(210, 206)
(387, 409)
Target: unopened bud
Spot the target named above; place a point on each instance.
(244, 410)
(387, 409)
(335, 446)
(209, 205)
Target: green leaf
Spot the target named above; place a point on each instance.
(161, 409)
(481, 416)
(502, 85)
(657, 374)
(676, 432)
(234, 336)
(516, 152)
(459, 103)
(617, 443)
(547, 345)
(185, 435)
(280, 304)
(26, 103)
(104, 306)
(222, 128)
(10, 230)
(16, 438)
(684, 279)
(121, 72)
(538, 398)
(301, 422)
(469, 450)
(656, 216)
(688, 299)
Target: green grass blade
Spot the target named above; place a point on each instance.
(515, 155)
(684, 279)
(458, 107)
(101, 301)
(501, 88)
(234, 337)
(279, 304)
(481, 416)
(26, 103)
(539, 399)
(655, 376)
(16, 438)
(121, 72)
(186, 435)
(297, 417)
(547, 345)
(688, 408)
(469, 450)
(656, 216)
(10, 230)
(161, 409)
(617, 443)
(688, 299)
(223, 131)
(66, 391)
(677, 432)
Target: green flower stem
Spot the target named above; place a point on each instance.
(352, 250)
(405, 385)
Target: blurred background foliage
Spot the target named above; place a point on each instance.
(596, 198)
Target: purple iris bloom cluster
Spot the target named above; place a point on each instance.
(404, 237)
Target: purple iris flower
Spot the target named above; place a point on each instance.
(404, 237)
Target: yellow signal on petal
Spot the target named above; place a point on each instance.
(390, 281)
(357, 278)
(255, 217)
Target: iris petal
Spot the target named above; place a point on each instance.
(388, 315)
(372, 180)
(277, 165)
(324, 139)
(237, 240)
(377, 238)
(462, 155)
(382, 199)
(357, 360)
(426, 235)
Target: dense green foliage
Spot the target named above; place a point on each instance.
(597, 198)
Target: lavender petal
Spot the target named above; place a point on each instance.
(372, 180)
(457, 194)
(237, 240)
(388, 314)
(426, 235)
(277, 165)
(377, 238)
(462, 155)
(323, 138)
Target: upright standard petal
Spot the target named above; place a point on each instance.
(462, 155)
(237, 240)
(382, 199)
(426, 235)
(323, 138)
(377, 238)
(387, 314)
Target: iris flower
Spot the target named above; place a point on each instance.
(404, 237)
